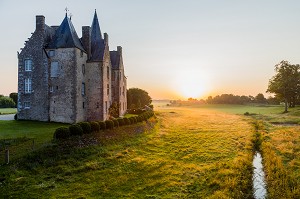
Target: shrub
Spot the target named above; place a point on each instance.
(102, 125)
(16, 117)
(132, 120)
(61, 133)
(116, 123)
(75, 129)
(126, 121)
(121, 121)
(247, 113)
(86, 127)
(95, 126)
(109, 124)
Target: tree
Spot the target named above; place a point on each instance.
(114, 109)
(286, 83)
(137, 98)
(260, 98)
(14, 96)
(6, 102)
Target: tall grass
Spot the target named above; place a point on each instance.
(189, 153)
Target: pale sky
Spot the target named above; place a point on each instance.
(172, 48)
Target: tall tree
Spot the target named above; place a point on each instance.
(285, 84)
(14, 96)
(137, 98)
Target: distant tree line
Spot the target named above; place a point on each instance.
(230, 99)
(9, 102)
(236, 99)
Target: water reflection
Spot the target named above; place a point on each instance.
(259, 185)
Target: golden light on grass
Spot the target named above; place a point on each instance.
(191, 83)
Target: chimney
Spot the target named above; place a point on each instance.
(119, 49)
(86, 39)
(106, 38)
(40, 23)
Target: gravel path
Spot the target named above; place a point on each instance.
(7, 117)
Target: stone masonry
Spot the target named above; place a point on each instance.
(62, 78)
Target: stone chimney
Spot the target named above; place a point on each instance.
(119, 49)
(86, 39)
(40, 23)
(106, 38)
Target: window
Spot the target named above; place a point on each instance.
(28, 88)
(51, 89)
(123, 90)
(81, 53)
(83, 105)
(27, 105)
(51, 53)
(98, 105)
(107, 89)
(107, 72)
(54, 69)
(28, 65)
(106, 108)
(113, 76)
(120, 91)
(83, 68)
(83, 89)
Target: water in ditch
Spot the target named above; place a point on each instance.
(259, 185)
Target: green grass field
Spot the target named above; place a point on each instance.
(187, 152)
(4, 111)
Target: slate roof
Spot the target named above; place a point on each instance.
(115, 59)
(66, 36)
(97, 42)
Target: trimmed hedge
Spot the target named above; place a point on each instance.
(86, 127)
(121, 121)
(102, 125)
(95, 126)
(75, 129)
(109, 124)
(61, 133)
(126, 121)
(116, 123)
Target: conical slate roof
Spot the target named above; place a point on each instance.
(97, 42)
(66, 36)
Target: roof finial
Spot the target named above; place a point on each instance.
(66, 9)
(70, 15)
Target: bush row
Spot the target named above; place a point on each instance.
(81, 128)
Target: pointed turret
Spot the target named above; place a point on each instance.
(97, 42)
(66, 36)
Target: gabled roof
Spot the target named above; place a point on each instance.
(115, 57)
(66, 36)
(97, 42)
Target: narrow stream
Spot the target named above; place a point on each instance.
(259, 185)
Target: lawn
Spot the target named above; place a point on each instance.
(188, 153)
(4, 111)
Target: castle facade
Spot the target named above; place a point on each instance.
(64, 78)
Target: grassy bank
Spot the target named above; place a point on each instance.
(4, 111)
(189, 153)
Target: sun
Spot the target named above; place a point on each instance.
(192, 84)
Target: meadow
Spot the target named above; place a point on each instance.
(184, 152)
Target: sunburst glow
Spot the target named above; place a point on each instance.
(192, 84)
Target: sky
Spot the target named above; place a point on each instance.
(173, 49)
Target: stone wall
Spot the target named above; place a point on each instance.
(38, 98)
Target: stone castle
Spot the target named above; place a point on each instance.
(64, 78)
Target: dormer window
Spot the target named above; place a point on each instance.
(28, 65)
(51, 53)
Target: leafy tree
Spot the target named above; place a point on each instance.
(114, 109)
(14, 96)
(260, 98)
(137, 98)
(286, 83)
(6, 102)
